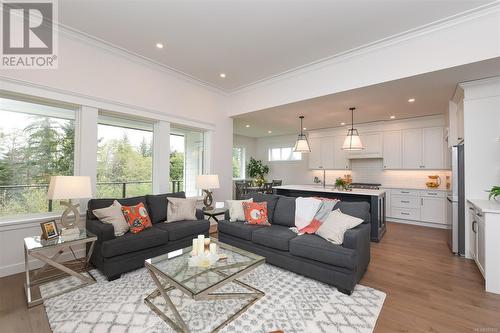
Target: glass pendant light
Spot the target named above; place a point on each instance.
(302, 145)
(352, 141)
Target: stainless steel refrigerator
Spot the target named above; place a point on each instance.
(456, 202)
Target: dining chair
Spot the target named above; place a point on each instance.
(267, 188)
(240, 189)
(277, 182)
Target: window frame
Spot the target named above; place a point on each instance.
(243, 163)
(289, 158)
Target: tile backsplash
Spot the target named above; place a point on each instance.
(372, 171)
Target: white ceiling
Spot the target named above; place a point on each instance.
(431, 91)
(249, 40)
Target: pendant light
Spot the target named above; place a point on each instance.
(352, 141)
(302, 145)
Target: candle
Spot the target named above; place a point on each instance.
(213, 248)
(201, 244)
(207, 245)
(194, 249)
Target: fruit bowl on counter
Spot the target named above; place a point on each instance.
(434, 181)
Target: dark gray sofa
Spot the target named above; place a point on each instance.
(116, 255)
(310, 255)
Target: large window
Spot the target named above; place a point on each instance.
(124, 158)
(238, 163)
(284, 154)
(186, 159)
(36, 142)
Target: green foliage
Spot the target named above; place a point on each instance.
(176, 165)
(494, 192)
(237, 172)
(257, 170)
(340, 184)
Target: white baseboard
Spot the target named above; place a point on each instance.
(34, 263)
(419, 223)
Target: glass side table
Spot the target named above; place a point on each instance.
(39, 248)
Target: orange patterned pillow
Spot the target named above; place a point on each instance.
(256, 213)
(137, 217)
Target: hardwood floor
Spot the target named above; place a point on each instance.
(428, 289)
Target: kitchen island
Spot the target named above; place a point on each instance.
(376, 199)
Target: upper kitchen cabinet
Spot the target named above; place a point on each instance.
(423, 148)
(392, 150)
(322, 153)
(372, 144)
(340, 160)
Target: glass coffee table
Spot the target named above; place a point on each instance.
(200, 283)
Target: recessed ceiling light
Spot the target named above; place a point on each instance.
(222, 75)
(411, 100)
(247, 126)
(269, 132)
(342, 123)
(304, 128)
(393, 117)
(159, 45)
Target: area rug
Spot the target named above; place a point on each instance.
(293, 303)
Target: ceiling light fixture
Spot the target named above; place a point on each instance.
(269, 132)
(393, 117)
(411, 100)
(302, 144)
(159, 45)
(222, 75)
(247, 126)
(342, 123)
(352, 141)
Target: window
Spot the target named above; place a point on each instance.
(238, 163)
(284, 154)
(124, 157)
(36, 142)
(186, 159)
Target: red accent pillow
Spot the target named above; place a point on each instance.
(256, 213)
(137, 217)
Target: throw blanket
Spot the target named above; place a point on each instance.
(305, 210)
(322, 213)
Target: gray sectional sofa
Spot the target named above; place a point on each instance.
(116, 255)
(310, 255)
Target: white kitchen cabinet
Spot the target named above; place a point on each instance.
(433, 210)
(392, 150)
(322, 153)
(481, 260)
(412, 148)
(473, 233)
(433, 148)
(372, 144)
(340, 160)
(423, 148)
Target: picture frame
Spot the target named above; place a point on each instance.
(49, 229)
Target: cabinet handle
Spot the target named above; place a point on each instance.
(406, 192)
(405, 201)
(474, 224)
(421, 201)
(431, 193)
(403, 213)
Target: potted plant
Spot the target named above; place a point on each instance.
(257, 170)
(340, 184)
(494, 192)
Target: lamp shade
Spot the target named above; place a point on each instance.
(69, 187)
(207, 182)
(352, 141)
(302, 145)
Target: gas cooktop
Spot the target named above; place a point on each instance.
(366, 186)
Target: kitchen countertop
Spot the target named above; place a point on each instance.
(486, 206)
(416, 188)
(329, 189)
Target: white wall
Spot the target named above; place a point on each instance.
(453, 43)
(250, 145)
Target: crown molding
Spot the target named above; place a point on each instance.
(75, 98)
(114, 49)
(491, 8)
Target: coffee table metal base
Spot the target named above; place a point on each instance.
(178, 323)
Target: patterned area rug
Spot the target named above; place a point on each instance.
(292, 303)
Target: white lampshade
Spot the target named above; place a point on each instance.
(69, 187)
(207, 182)
(302, 145)
(352, 141)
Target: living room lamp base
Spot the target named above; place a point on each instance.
(207, 200)
(64, 217)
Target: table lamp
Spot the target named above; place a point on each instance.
(67, 188)
(207, 183)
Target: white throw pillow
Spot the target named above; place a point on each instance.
(180, 209)
(113, 215)
(236, 212)
(335, 226)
